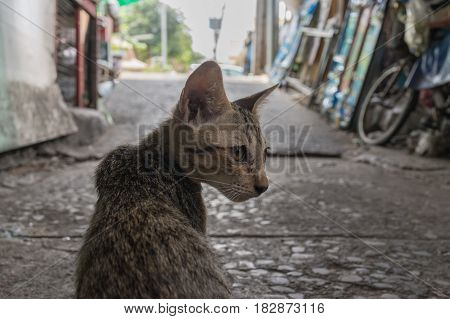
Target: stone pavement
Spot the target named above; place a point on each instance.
(371, 223)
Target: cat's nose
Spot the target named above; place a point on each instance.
(261, 189)
(261, 183)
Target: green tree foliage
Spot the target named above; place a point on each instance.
(143, 17)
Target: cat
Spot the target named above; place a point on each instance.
(147, 237)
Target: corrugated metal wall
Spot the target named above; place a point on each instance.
(66, 49)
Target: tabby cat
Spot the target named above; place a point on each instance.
(147, 236)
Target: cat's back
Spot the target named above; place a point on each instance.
(139, 243)
(124, 175)
(151, 256)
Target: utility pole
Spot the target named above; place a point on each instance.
(259, 51)
(163, 13)
(266, 35)
(271, 32)
(216, 25)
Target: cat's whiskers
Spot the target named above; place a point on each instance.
(229, 192)
(230, 185)
(234, 195)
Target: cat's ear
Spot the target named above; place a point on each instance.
(252, 102)
(203, 97)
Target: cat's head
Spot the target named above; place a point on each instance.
(217, 141)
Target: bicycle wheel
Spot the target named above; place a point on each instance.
(385, 107)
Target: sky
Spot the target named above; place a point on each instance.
(239, 17)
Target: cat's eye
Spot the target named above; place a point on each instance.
(239, 153)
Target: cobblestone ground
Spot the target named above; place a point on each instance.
(363, 225)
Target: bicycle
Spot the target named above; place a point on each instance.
(395, 94)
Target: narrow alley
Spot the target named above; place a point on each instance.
(338, 221)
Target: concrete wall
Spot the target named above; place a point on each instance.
(31, 106)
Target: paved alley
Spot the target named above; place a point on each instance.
(340, 222)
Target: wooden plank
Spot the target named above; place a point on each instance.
(318, 33)
(88, 6)
(298, 86)
(92, 62)
(81, 25)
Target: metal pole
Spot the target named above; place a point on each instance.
(163, 13)
(79, 62)
(269, 32)
(216, 25)
(93, 62)
(216, 39)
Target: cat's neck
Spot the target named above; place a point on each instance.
(157, 148)
(157, 152)
(164, 145)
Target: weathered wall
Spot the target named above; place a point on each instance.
(31, 107)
